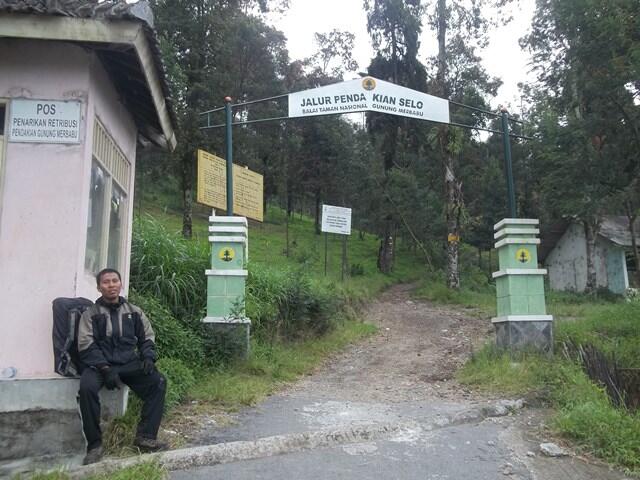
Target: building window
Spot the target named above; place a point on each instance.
(106, 222)
(3, 111)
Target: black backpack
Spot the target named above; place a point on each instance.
(66, 318)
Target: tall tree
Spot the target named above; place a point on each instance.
(216, 48)
(394, 27)
(458, 73)
(587, 55)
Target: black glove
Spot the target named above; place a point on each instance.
(148, 366)
(111, 378)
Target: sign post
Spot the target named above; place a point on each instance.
(229, 142)
(229, 239)
(212, 178)
(508, 168)
(336, 220)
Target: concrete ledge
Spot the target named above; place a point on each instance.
(516, 231)
(54, 393)
(517, 241)
(516, 221)
(221, 239)
(519, 271)
(523, 318)
(226, 320)
(40, 416)
(236, 220)
(227, 273)
(227, 229)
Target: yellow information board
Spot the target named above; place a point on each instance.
(212, 186)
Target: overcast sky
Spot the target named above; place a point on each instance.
(503, 58)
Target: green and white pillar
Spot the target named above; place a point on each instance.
(226, 279)
(522, 321)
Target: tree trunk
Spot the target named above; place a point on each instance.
(453, 188)
(453, 211)
(590, 233)
(631, 216)
(187, 192)
(385, 254)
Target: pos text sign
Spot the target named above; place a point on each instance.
(336, 220)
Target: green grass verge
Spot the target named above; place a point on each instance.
(474, 292)
(271, 365)
(146, 471)
(267, 247)
(584, 412)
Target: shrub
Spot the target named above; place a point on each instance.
(180, 379)
(357, 269)
(168, 267)
(285, 304)
(173, 339)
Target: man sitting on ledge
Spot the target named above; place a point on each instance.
(116, 343)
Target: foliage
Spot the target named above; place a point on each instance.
(475, 291)
(584, 411)
(169, 268)
(285, 304)
(180, 379)
(613, 329)
(174, 340)
(586, 114)
(54, 475)
(146, 470)
(271, 364)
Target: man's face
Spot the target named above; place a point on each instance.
(110, 286)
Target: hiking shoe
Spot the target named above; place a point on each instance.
(150, 444)
(94, 455)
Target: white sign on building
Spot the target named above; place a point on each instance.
(368, 94)
(44, 121)
(336, 220)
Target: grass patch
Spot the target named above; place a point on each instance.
(491, 370)
(613, 328)
(584, 412)
(146, 471)
(272, 364)
(475, 292)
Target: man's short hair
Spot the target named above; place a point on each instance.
(104, 271)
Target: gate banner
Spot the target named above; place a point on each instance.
(368, 94)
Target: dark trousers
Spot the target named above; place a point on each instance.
(151, 389)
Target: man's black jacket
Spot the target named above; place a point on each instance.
(114, 334)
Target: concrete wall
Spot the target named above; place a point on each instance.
(567, 263)
(45, 195)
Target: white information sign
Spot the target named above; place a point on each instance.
(368, 94)
(336, 220)
(44, 121)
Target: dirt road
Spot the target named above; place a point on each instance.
(389, 407)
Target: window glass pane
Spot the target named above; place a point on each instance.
(95, 223)
(116, 227)
(2, 112)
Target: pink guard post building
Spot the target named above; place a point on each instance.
(81, 87)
